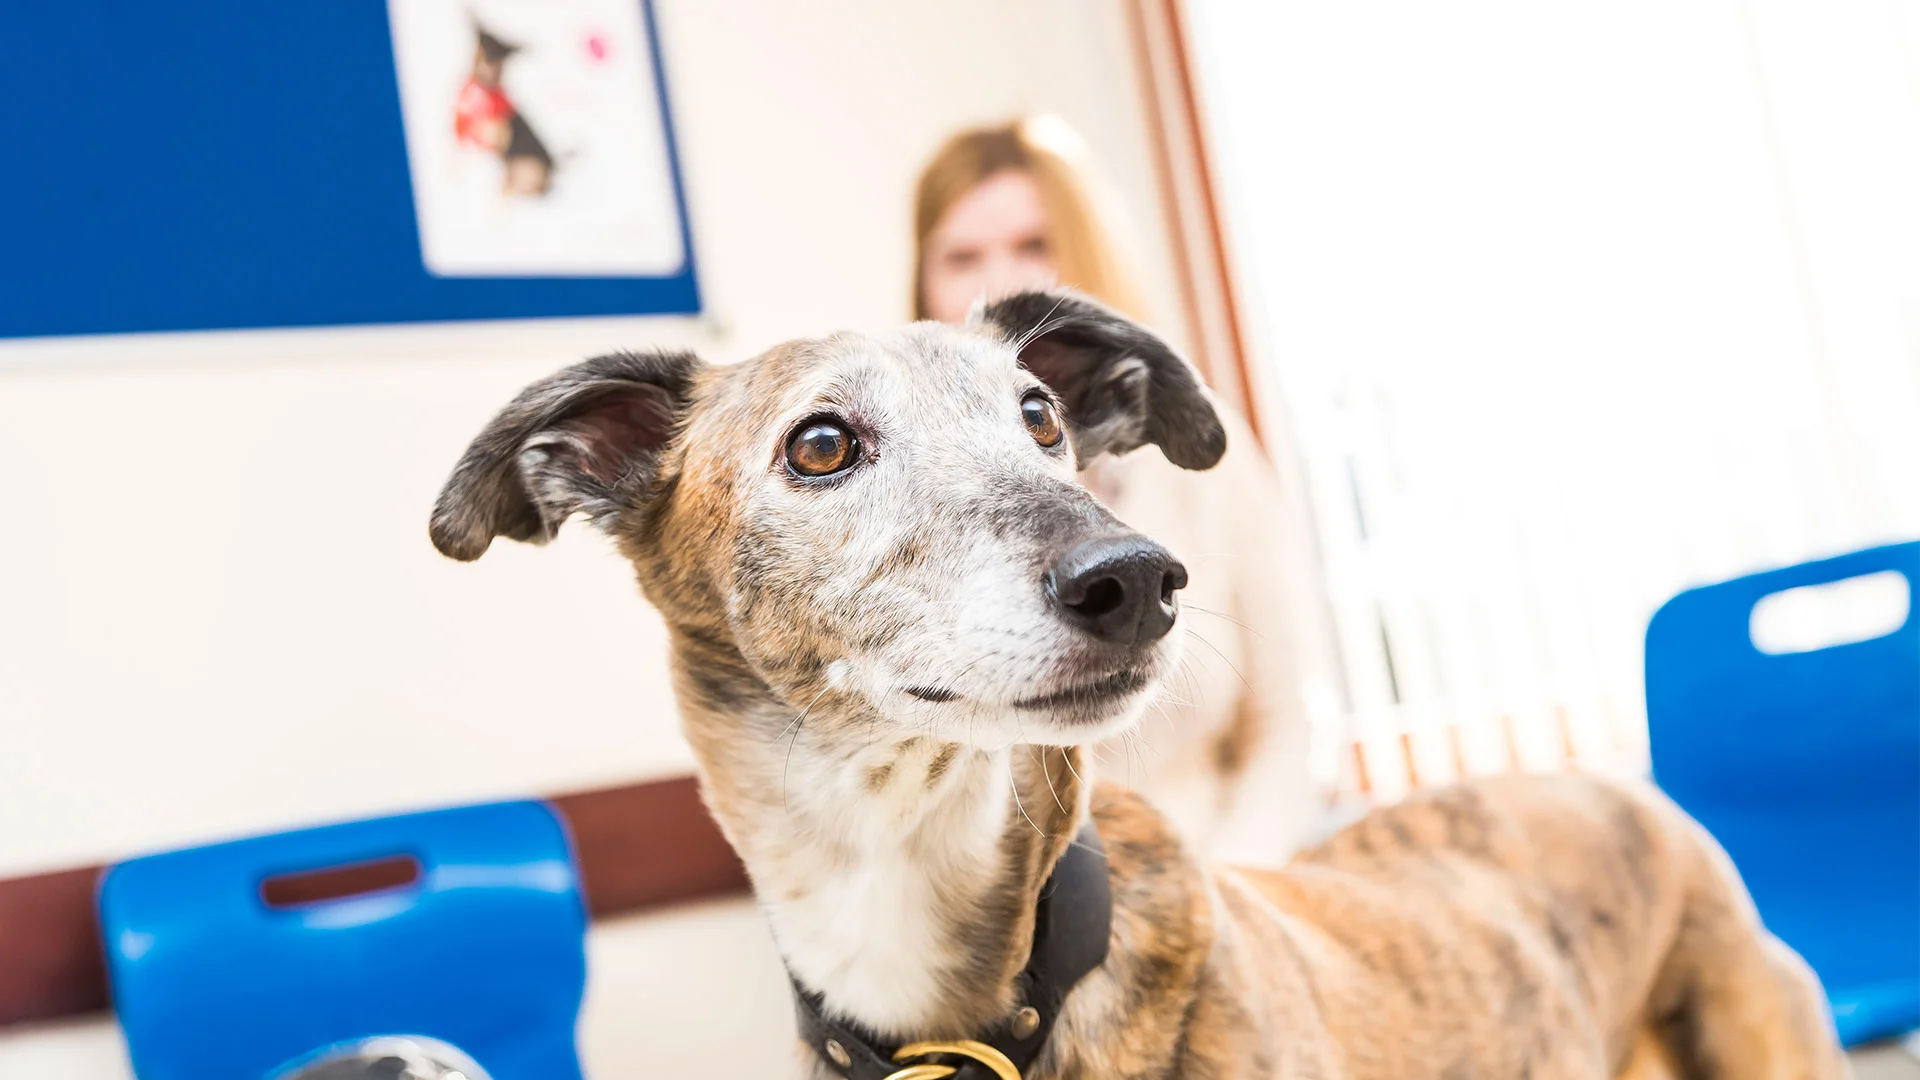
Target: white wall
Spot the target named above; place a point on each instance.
(1584, 304)
(222, 614)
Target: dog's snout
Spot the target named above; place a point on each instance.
(1117, 588)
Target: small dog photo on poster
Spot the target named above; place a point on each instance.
(536, 138)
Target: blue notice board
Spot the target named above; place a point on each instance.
(207, 164)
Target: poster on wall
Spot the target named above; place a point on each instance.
(534, 138)
(337, 163)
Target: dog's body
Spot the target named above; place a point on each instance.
(895, 622)
(1524, 927)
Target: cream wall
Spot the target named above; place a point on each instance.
(222, 614)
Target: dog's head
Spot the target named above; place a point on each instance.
(891, 519)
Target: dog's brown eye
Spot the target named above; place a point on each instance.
(1043, 420)
(821, 447)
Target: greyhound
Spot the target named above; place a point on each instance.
(897, 622)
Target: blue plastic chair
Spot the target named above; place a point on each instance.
(485, 950)
(1806, 767)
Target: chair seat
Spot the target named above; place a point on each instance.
(484, 950)
(1806, 767)
(1874, 1011)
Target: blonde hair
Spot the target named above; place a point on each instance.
(1044, 147)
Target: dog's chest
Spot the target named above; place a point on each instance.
(873, 922)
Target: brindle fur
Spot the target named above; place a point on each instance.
(897, 841)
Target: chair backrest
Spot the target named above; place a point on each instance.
(484, 949)
(1804, 765)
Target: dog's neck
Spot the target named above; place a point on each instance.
(899, 871)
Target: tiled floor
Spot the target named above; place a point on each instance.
(1885, 1062)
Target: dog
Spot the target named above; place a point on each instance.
(485, 118)
(896, 621)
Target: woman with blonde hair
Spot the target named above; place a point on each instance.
(1002, 208)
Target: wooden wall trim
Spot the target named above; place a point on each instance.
(50, 958)
(639, 847)
(1185, 170)
(1147, 44)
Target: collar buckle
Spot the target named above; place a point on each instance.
(986, 1055)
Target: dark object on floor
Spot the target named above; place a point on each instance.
(394, 1058)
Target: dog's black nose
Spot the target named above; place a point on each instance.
(1117, 588)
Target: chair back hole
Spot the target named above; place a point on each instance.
(305, 887)
(1844, 612)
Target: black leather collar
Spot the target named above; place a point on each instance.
(1071, 927)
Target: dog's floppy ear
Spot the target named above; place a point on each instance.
(588, 439)
(1123, 387)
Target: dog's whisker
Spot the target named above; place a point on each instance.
(788, 768)
(1014, 787)
(1159, 708)
(1140, 740)
(1048, 773)
(1202, 675)
(1068, 758)
(1182, 675)
(1222, 616)
(798, 723)
(1196, 635)
(1042, 327)
(1193, 686)
(795, 722)
(1164, 693)
(1027, 338)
